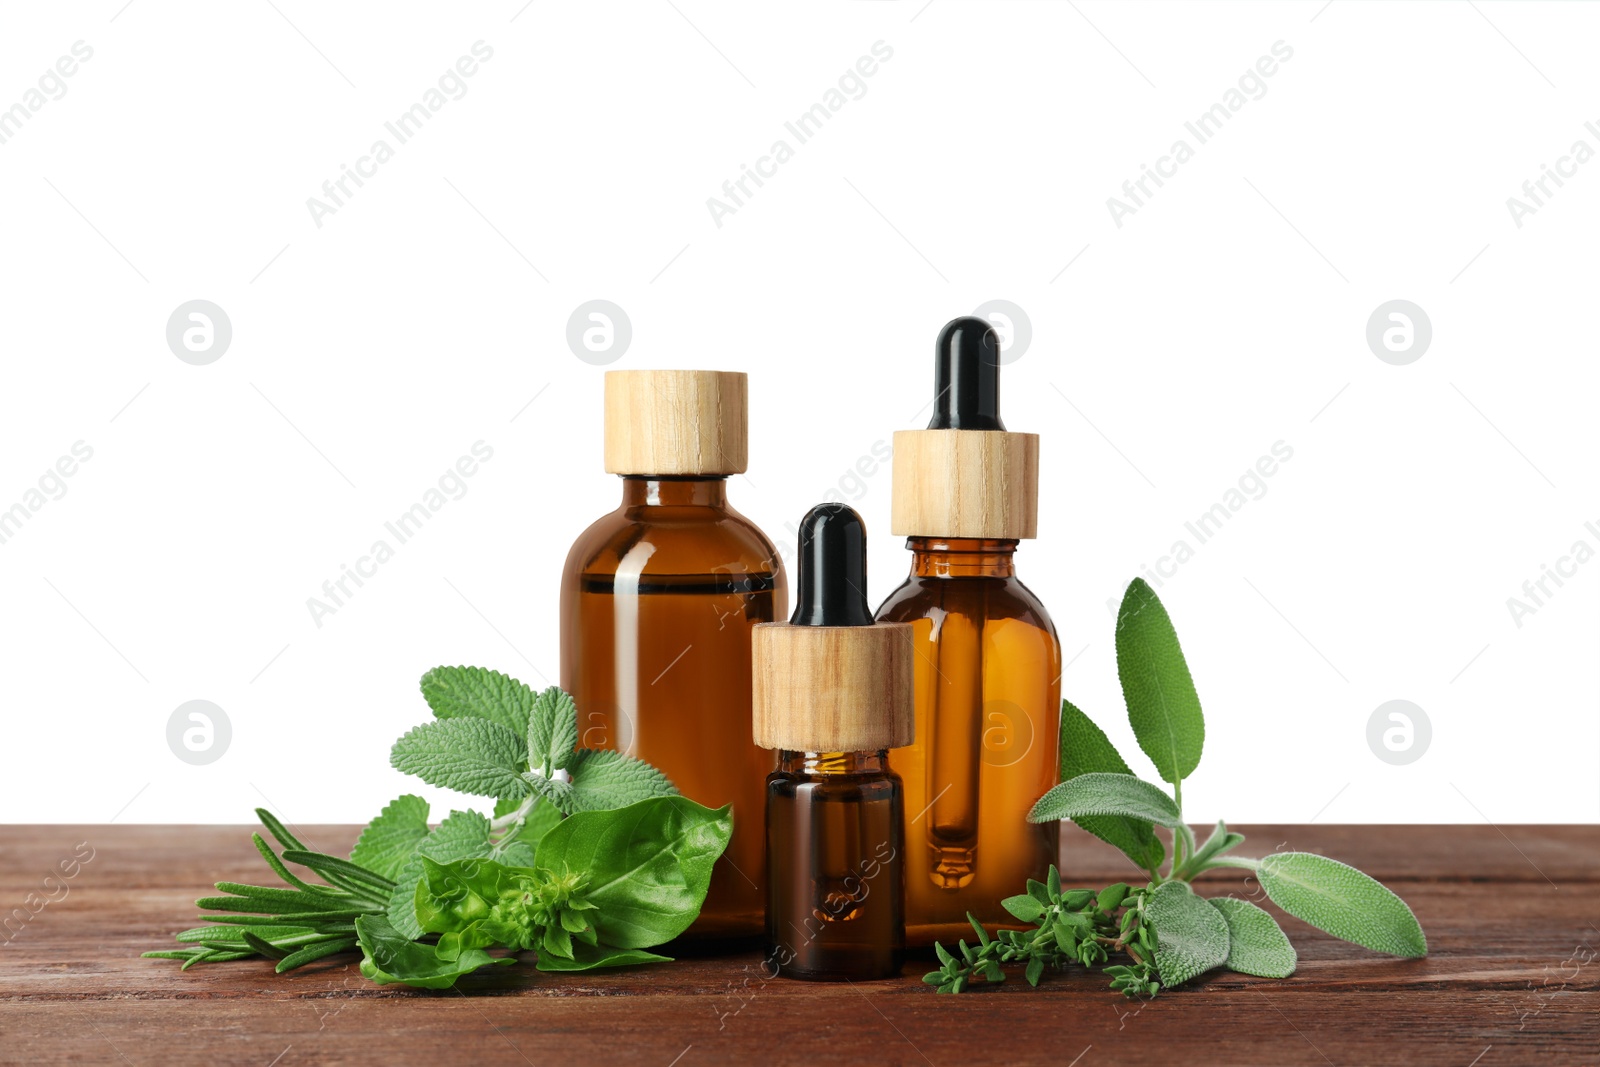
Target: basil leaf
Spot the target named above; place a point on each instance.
(592, 957)
(464, 835)
(388, 956)
(647, 865)
(473, 904)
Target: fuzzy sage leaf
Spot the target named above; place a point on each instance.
(1162, 704)
(1085, 749)
(1107, 794)
(1340, 900)
(1191, 935)
(1256, 943)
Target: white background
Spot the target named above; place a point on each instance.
(1167, 355)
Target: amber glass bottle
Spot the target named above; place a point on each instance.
(836, 876)
(833, 694)
(987, 663)
(657, 604)
(988, 685)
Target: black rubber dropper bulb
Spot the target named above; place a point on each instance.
(966, 377)
(831, 578)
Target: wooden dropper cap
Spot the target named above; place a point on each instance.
(965, 475)
(830, 679)
(676, 422)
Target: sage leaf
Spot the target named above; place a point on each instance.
(1191, 935)
(1162, 704)
(648, 865)
(1106, 794)
(1256, 943)
(479, 693)
(1221, 840)
(602, 779)
(389, 839)
(468, 755)
(552, 731)
(1085, 749)
(1342, 901)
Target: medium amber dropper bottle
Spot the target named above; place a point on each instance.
(833, 694)
(988, 663)
(657, 603)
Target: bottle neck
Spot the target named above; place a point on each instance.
(823, 764)
(962, 557)
(647, 490)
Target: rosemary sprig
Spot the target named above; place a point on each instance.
(294, 926)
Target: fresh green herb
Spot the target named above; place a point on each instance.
(1168, 932)
(294, 926)
(591, 857)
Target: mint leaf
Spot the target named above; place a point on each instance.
(464, 835)
(552, 731)
(648, 865)
(389, 840)
(603, 779)
(537, 823)
(1162, 704)
(1191, 935)
(1085, 749)
(469, 755)
(390, 956)
(478, 693)
(1340, 900)
(553, 792)
(1106, 794)
(1256, 943)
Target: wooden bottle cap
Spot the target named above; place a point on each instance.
(965, 483)
(833, 688)
(676, 422)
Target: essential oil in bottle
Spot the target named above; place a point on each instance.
(833, 695)
(988, 663)
(657, 604)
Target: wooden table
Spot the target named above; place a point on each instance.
(1512, 916)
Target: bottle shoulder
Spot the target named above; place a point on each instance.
(673, 540)
(990, 598)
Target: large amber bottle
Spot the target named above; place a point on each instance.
(657, 604)
(988, 662)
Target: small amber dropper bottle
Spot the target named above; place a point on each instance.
(833, 694)
(988, 662)
(657, 603)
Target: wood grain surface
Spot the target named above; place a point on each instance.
(1512, 916)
